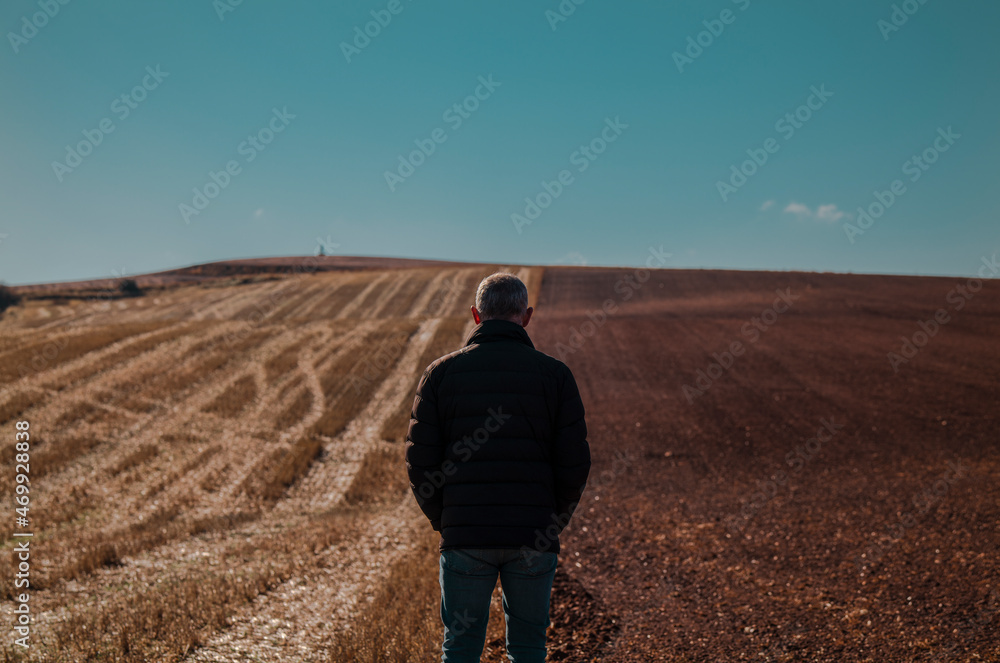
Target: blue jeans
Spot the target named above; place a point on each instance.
(468, 576)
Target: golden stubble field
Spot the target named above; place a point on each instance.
(217, 468)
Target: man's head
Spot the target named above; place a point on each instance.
(502, 296)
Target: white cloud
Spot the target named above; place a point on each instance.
(767, 204)
(829, 213)
(822, 213)
(259, 213)
(798, 208)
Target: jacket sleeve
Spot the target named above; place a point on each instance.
(571, 452)
(425, 450)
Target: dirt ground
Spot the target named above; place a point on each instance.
(778, 475)
(807, 502)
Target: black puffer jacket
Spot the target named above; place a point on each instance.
(497, 451)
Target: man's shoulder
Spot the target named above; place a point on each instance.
(552, 364)
(442, 363)
(468, 357)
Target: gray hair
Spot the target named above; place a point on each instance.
(501, 296)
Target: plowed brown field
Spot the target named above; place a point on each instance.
(217, 465)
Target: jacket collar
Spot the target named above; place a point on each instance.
(498, 330)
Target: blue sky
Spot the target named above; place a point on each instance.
(552, 88)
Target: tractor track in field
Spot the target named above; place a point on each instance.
(299, 617)
(174, 455)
